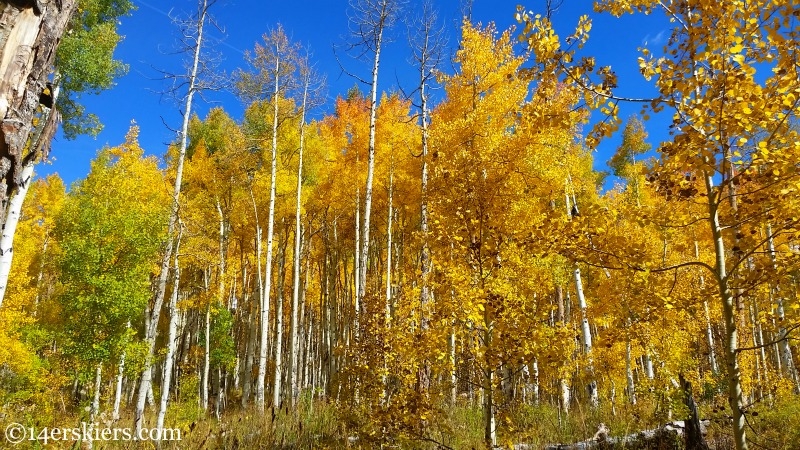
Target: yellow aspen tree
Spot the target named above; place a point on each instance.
(730, 125)
(273, 66)
(489, 142)
(193, 84)
(427, 47)
(30, 301)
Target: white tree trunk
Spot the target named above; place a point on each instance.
(425, 254)
(387, 311)
(265, 295)
(298, 233)
(490, 427)
(172, 338)
(732, 370)
(95, 409)
(152, 316)
(12, 219)
(221, 303)
(249, 354)
(536, 382)
(648, 366)
(563, 318)
(388, 307)
(357, 265)
(118, 390)
(712, 356)
(204, 381)
(373, 108)
(566, 397)
(712, 353)
(222, 256)
(264, 306)
(629, 373)
(277, 391)
(293, 372)
(762, 374)
(586, 336)
(356, 326)
(453, 367)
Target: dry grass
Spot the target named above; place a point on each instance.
(316, 424)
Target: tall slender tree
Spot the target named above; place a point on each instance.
(271, 78)
(369, 25)
(192, 39)
(427, 41)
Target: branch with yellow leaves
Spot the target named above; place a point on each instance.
(786, 337)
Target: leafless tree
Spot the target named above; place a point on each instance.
(189, 83)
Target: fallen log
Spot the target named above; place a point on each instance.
(673, 435)
(668, 436)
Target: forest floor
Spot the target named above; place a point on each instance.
(322, 425)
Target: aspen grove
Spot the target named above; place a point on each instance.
(442, 268)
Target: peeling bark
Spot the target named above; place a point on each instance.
(29, 36)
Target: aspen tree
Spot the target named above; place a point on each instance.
(172, 336)
(294, 345)
(193, 40)
(371, 20)
(311, 87)
(272, 67)
(277, 390)
(118, 389)
(126, 219)
(427, 42)
(732, 127)
(482, 171)
(625, 165)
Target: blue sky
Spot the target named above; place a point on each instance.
(150, 40)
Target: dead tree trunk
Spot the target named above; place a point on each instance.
(694, 435)
(29, 34)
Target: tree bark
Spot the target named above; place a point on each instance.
(95, 409)
(277, 392)
(586, 337)
(152, 316)
(250, 346)
(172, 336)
(270, 236)
(10, 226)
(29, 36)
(204, 381)
(264, 306)
(694, 435)
(383, 16)
(118, 390)
(629, 373)
(732, 370)
(298, 233)
(387, 310)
